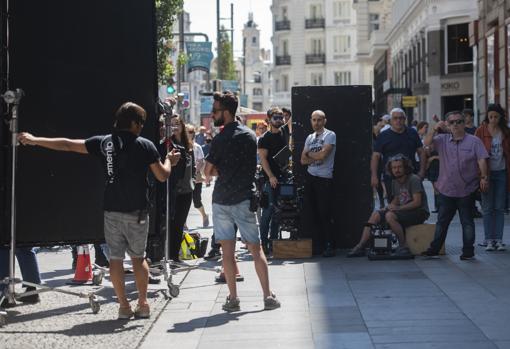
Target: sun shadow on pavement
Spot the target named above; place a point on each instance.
(208, 321)
(103, 327)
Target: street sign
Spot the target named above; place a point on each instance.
(199, 55)
(409, 101)
(206, 104)
(230, 85)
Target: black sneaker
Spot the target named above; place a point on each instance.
(32, 299)
(154, 280)
(466, 256)
(213, 255)
(329, 252)
(429, 254)
(356, 252)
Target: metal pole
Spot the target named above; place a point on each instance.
(180, 75)
(232, 28)
(14, 144)
(218, 41)
(244, 65)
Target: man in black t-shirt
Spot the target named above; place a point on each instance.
(268, 146)
(126, 158)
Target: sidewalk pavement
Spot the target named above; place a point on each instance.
(326, 303)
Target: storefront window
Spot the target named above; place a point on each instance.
(491, 83)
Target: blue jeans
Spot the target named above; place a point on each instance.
(447, 209)
(267, 219)
(493, 206)
(27, 261)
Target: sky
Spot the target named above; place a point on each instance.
(203, 19)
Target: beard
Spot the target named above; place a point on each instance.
(219, 122)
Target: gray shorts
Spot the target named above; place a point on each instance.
(123, 234)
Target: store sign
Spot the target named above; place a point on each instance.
(409, 101)
(457, 87)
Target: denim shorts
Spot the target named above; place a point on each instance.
(226, 216)
(123, 233)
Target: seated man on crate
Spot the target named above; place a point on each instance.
(408, 207)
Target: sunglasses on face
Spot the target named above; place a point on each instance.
(277, 117)
(455, 122)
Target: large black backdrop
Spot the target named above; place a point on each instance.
(77, 61)
(348, 112)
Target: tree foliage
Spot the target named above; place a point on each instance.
(166, 14)
(227, 69)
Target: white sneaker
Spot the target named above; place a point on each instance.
(500, 246)
(490, 246)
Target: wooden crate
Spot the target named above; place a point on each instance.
(419, 237)
(290, 249)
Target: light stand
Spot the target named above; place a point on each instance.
(168, 266)
(12, 99)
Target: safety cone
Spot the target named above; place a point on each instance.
(83, 272)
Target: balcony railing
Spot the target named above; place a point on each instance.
(282, 60)
(282, 25)
(312, 23)
(318, 58)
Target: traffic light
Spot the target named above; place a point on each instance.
(170, 89)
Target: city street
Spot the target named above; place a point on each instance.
(326, 303)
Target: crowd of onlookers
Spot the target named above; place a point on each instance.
(464, 163)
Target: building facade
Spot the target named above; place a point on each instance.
(315, 43)
(255, 71)
(490, 37)
(374, 24)
(430, 56)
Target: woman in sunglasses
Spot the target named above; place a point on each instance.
(495, 136)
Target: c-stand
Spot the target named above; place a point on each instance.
(12, 99)
(168, 266)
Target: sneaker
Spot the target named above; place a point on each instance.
(32, 299)
(500, 246)
(221, 278)
(490, 246)
(466, 256)
(429, 254)
(125, 313)
(205, 222)
(231, 304)
(403, 251)
(153, 280)
(143, 311)
(214, 254)
(356, 252)
(328, 252)
(271, 302)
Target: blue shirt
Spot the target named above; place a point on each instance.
(390, 143)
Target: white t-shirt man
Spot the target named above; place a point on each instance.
(314, 143)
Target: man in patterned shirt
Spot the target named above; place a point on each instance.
(233, 158)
